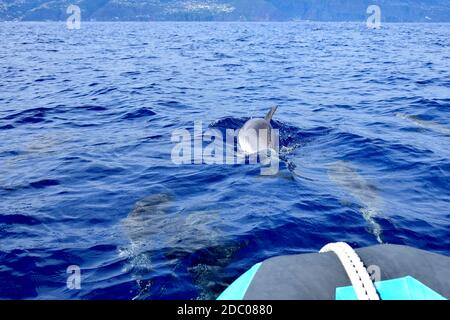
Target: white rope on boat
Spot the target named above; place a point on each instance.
(360, 279)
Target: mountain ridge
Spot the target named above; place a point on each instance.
(226, 10)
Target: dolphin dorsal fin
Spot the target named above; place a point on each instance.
(272, 111)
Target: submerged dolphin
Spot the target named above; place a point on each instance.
(161, 235)
(256, 134)
(344, 175)
(430, 125)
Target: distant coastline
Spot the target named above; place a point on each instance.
(227, 10)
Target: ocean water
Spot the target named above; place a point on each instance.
(86, 177)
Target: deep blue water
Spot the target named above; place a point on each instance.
(86, 178)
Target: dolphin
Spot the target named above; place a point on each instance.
(256, 134)
(430, 125)
(344, 175)
(163, 236)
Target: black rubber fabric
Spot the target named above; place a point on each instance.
(316, 276)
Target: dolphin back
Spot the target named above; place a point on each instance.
(272, 111)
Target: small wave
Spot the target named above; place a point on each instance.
(103, 91)
(171, 104)
(426, 81)
(231, 65)
(18, 219)
(423, 102)
(49, 78)
(140, 113)
(34, 119)
(6, 127)
(39, 112)
(130, 73)
(41, 184)
(92, 108)
(219, 55)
